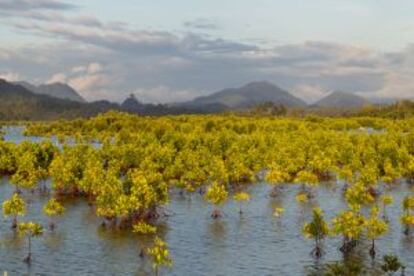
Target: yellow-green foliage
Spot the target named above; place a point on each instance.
(30, 229)
(143, 228)
(15, 206)
(241, 196)
(53, 208)
(349, 224)
(216, 194)
(375, 226)
(140, 160)
(316, 229)
(407, 218)
(160, 254)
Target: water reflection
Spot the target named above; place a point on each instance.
(217, 230)
(55, 240)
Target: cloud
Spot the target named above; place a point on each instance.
(162, 94)
(310, 93)
(10, 76)
(136, 41)
(111, 60)
(87, 79)
(201, 24)
(88, 83)
(94, 68)
(91, 68)
(59, 77)
(25, 5)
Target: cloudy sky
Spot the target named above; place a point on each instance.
(169, 51)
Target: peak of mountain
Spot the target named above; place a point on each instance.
(249, 95)
(341, 99)
(56, 90)
(60, 90)
(132, 104)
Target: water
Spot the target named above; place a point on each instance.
(255, 244)
(15, 134)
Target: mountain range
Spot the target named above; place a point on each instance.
(24, 101)
(17, 102)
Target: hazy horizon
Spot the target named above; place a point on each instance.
(174, 51)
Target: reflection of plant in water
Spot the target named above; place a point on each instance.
(317, 229)
(278, 212)
(308, 181)
(385, 201)
(392, 264)
(241, 197)
(344, 269)
(407, 218)
(277, 176)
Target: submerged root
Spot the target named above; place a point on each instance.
(348, 246)
(14, 224)
(52, 226)
(142, 253)
(276, 191)
(317, 252)
(372, 252)
(28, 259)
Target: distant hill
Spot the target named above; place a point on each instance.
(342, 100)
(250, 95)
(19, 103)
(132, 104)
(57, 90)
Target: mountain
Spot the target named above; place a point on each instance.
(250, 95)
(19, 103)
(132, 104)
(342, 100)
(57, 90)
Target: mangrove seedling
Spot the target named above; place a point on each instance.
(216, 195)
(29, 230)
(143, 228)
(52, 209)
(14, 207)
(317, 229)
(160, 255)
(375, 228)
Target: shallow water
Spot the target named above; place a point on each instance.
(254, 244)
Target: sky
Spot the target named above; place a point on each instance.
(170, 51)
